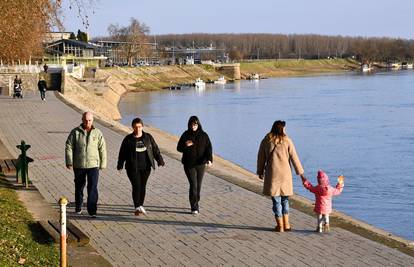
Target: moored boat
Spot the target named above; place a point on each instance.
(406, 65)
(220, 80)
(199, 83)
(366, 68)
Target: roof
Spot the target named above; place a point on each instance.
(74, 43)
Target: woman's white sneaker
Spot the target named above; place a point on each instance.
(143, 210)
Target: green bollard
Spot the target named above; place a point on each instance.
(22, 168)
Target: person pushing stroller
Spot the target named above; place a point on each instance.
(17, 87)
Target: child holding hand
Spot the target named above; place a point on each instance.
(323, 194)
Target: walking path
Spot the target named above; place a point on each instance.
(234, 226)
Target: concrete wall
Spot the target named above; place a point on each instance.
(100, 95)
(229, 70)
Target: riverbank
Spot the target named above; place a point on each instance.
(286, 68)
(102, 94)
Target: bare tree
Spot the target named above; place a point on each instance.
(271, 46)
(133, 39)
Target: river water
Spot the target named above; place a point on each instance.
(361, 126)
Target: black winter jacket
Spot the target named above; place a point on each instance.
(41, 85)
(199, 153)
(127, 153)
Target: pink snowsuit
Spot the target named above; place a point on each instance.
(323, 193)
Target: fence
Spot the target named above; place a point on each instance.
(20, 68)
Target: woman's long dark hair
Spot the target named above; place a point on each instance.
(194, 119)
(277, 132)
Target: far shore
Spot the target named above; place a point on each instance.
(264, 68)
(103, 93)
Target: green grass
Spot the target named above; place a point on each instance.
(21, 238)
(274, 68)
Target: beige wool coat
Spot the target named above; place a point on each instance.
(276, 166)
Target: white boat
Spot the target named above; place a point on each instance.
(366, 68)
(395, 66)
(254, 76)
(221, 80)
(199, 83)
(407, 66)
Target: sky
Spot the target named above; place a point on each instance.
(367, 18)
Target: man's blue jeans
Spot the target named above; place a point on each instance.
(280, 205)
(80, 181)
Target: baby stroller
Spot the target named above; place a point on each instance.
(17, 91)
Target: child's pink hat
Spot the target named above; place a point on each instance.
(323, 178)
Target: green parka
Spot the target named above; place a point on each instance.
(86, 150)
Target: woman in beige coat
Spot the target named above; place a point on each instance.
(276, 155)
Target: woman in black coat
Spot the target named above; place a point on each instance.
(197, 152)
(138, 151)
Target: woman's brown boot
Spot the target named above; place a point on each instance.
(279, 224)
(286, 224)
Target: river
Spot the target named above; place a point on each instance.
(361, 126)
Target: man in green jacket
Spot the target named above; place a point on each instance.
(86, 154)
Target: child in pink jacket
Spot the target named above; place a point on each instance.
(323, 194)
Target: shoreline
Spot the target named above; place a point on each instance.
(103, 93)
(237, 175)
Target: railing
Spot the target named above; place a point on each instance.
(20, 68)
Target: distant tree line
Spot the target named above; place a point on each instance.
(307, 46)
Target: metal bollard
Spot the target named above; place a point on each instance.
(63, 201)
(22, 169)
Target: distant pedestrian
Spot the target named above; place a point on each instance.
(276, 155)
(86, 153)
(45, 68)
(17, 87)
(41, 85)
(197, 152)
(323, 194)
(138, 151)
(17, 81)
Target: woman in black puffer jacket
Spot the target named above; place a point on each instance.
(197, 153)
(138, 152)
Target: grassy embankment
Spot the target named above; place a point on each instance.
(154, 78)
(283, 68)
(158, 77)
(22, 240)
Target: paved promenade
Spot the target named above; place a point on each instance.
(234, 227)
